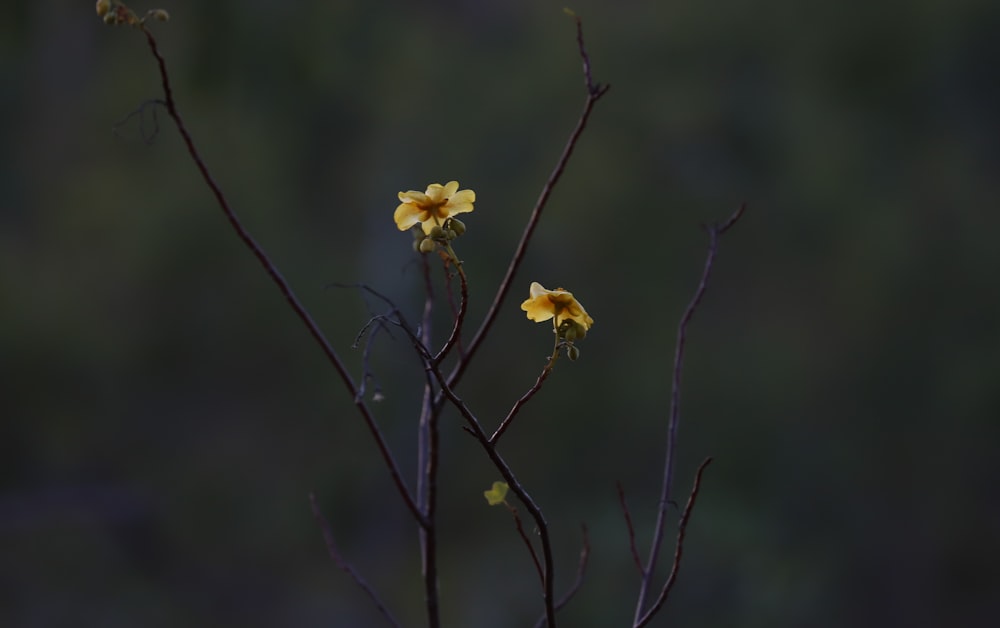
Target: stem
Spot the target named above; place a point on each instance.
(346, 567)
(714, 232)
(456, 330)
(427, 467)
(594, 93)
(281, 283)
(515, 487)
(475, 428)
(678, 549)
(526, 396)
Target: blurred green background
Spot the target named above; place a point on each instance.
(164, 415)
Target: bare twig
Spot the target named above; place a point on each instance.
(714, 233)
(427, 447)
(140, 113)
(525, 398)
(527, 541)
(594, 93)
(368, 332)
(282, 285)
(678, 549)
(343, 565)
(427, 465)
(475, 428)
(631, 528)
(581, 571)
(456, 329)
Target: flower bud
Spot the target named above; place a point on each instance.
(160, 15)
(427, 245)
(457, 226)
(436, 232)
(103, 6)
(450, 234)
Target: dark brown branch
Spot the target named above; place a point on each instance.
(428, 527)
(475, 428)
(343, 565)
(282, 284)
(427, 466)
(581, 571)
(456, 330)
(527, 541)
(524, 399)
(631, 528)
(428, 448)
(515, 487)
(594, 93)
(714, 233)
(678, 548)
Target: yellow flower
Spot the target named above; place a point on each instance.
(433, 207)
(545, 304)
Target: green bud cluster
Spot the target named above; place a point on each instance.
(442, 235)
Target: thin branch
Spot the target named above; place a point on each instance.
(371, 328)
(475, 428)
(594, 93)
(427, 466)
(631, 528)
(515, 487)
(714, 233)
(281, 283)
(525, 398)
(428, 527)
(581, 571)
(456, 330)
(588, 79)
(527, 542)
(343, 565)
(678, 548)
(140, 113)
(427, 451)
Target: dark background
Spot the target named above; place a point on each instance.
(164, 415)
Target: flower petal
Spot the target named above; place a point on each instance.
(407, 215)
(460, 202)
(449, 189)
(463, 196)
(414, 197)
(435, 193)
(538, 310)
(538, 307)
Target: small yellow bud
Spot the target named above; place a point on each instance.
(436, 232)
(103, 6)
(427, 245)
(160, 15)
(457, 226)
(111, 18)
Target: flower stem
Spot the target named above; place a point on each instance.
(528, 395)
